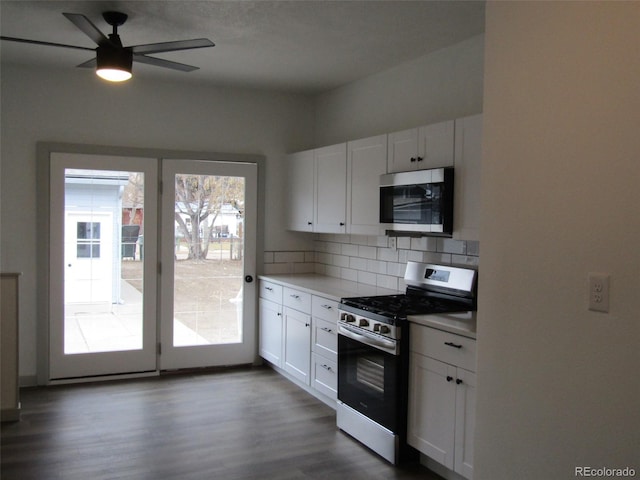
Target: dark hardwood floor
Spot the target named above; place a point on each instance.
(237, 424)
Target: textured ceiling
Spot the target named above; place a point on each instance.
(299, 46)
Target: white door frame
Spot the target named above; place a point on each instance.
(44, 151)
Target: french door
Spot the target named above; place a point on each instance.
(141, 281)
(102, 289)
(208, 263)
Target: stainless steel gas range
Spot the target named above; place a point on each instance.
(373, 353)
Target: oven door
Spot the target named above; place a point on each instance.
(368, 381)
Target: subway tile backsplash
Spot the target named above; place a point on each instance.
(368, 259)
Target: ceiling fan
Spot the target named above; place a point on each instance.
(113, 61)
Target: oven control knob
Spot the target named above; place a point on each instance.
(363, 323)
(384, 329)
(350, 318)
(376, 327)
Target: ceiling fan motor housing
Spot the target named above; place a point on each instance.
(118, 58)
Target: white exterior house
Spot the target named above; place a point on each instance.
(93, 218)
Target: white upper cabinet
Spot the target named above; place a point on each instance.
(331, 189)
(300, 187)
(402, 151)
(430, 146)
(366, 161)
(468, 156)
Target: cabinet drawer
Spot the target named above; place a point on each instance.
(325, 338)
(444, 346)
(324, 308)
(301, 301)
(271, 291)
(324, 376)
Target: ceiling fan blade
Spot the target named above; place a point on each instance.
(48, 44)
(172, 46)
(159, 62)
(88, 64)
(89, 29)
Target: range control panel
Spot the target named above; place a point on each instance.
(380, 328)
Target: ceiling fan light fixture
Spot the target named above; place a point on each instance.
(114, 65)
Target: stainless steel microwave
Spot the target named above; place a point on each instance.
(418, 201)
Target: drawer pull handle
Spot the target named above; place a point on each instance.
(326, 367)
(325, 329)
(328, 307)
(269, 288)
(451, 344)
(294, 296)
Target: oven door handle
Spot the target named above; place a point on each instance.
(385, 345)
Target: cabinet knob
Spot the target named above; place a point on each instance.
(309, 223)
(420, 159)
(306, 324)
(458, 381)
(342, 224)
(413, 159)
(449, 378)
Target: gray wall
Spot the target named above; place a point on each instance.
(558, 385)
(444, 85)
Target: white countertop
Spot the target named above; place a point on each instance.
(329, 287)
(459, 323)
(336, 288)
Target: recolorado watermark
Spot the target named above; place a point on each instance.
(583, 471)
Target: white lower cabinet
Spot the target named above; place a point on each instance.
(270, 327)
(442, 398)
(299, 336)
(297, 344)
(324, 375)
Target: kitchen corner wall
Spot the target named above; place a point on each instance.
(370, 259)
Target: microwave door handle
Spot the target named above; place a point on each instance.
(366, 339)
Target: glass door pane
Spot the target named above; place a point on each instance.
(103, 281)
(208, 260)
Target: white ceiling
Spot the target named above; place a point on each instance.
(301, 46)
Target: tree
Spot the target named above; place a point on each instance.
(199, 198)
(133, 195)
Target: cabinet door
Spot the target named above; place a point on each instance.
(468, 156)
(367, 160)
(297, 344)
(432, 402)
(465, 422)
(402, 151)
(324, 376)
(270, 322)
(324, 339)
(331, 189)
(435, 145)
(299, 200)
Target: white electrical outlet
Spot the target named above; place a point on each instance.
(599, 292)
